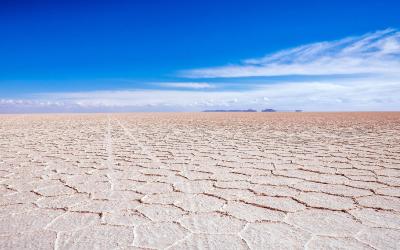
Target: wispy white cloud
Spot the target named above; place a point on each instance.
(377, 52)
(186, 85)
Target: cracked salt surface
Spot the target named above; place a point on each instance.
(200, 181)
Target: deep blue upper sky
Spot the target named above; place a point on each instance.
(50, 46)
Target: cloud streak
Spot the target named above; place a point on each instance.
(187, 85)
(372, 53)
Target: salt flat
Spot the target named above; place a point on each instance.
(200, 181)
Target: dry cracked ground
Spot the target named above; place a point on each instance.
(200, 181)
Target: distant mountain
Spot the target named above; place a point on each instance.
(268, 110)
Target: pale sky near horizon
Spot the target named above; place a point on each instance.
(69, 56)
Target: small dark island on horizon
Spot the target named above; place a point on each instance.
(268, 110)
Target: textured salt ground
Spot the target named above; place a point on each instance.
(200, 181)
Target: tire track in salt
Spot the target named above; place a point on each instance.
(147, 151)
(110, 155)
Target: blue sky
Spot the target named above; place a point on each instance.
(194, 55)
